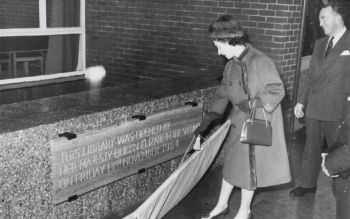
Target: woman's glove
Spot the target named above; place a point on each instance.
(209, 120)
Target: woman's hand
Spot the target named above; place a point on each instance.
(208, 120)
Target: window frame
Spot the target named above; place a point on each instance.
(43, 30)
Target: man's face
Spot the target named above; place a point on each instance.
(329, 21)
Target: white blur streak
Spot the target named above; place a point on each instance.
(95, 74)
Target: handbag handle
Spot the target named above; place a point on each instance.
(253, 112)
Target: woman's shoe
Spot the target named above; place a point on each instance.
(250, 216)
(223, 212)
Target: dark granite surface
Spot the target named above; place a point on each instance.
(26, 129)
(22, 115)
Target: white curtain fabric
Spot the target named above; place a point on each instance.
(181, 182)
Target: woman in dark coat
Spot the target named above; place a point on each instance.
(247, 167)
(337, 164)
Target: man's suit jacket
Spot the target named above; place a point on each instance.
(337, 162)
(327, 83)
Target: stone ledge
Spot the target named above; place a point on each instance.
(27, 127)
(27, 114)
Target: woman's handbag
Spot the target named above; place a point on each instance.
(256, 131)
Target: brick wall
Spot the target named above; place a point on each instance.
(165, 38)
(154, 37)
(18, 13)
(151, 37)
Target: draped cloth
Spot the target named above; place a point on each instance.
(182, 180)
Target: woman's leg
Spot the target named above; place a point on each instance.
(246, 200)
(225, 192)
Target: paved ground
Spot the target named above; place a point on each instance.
(270, 203)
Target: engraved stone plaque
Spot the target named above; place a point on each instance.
(99, 157)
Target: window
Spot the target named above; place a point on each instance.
(41, 41)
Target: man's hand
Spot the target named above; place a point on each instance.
(268, 108)
(298, 110)
(324, 169)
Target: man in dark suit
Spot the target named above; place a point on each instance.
(337, 164)
(324, 92)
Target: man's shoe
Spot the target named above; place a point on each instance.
(300, 191)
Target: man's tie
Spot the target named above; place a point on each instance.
(329, 46)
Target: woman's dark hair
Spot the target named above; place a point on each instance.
(225, 29)
(236, 40)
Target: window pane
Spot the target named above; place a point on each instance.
(19, 14)
(63, 13)
(38, 55)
